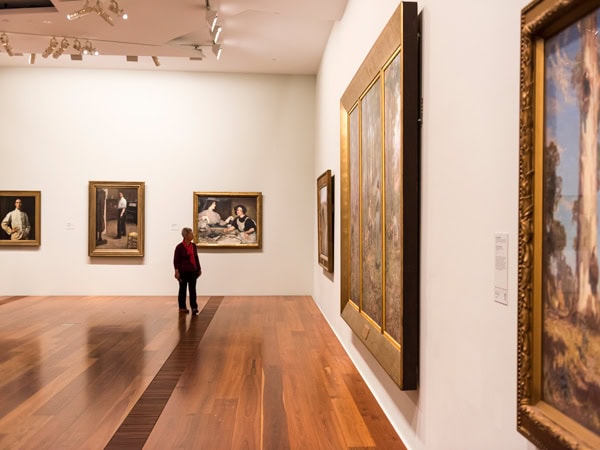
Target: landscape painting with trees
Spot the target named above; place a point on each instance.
(570, 273)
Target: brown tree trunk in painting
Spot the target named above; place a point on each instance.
(588, 88)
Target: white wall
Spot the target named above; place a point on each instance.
(179, 133)
(467, 394)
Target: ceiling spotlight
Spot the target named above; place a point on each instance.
(200, 55)
(211, 18)
(87, 9)
(76, 57)
(216, 33)
(132, 58)
(100, 11)
(114, 8)
(88, 49)
(156, 61)
(32, 58)
(51, 47)
(77, 45)
(217, 49)
(6, 44)
(64, 44)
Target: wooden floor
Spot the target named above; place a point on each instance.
(130, 372)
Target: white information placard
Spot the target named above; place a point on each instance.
(501, 268)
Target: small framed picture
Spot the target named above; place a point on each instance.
(325, 220)
(116, 218)
(20, 215)
(228, 219)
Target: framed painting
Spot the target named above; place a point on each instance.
(325, 220)
(380, 167)
(558, 396)
(20, 215)
(228, 219)
(116, 218)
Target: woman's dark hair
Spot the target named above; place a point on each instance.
(243, 208)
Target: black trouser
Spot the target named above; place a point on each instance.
(121, 231)
(187, 279)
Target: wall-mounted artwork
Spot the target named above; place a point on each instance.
(380, 166)
(20, 216)
(228, 219)
(558, 396)
(325, 220)
(116, 218)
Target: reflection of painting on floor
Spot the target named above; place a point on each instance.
(110, 236)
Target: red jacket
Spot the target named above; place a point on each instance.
(181, 260)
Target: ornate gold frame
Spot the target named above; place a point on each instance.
(214, 238)
(396, 48)
(325, 220)
(541, 423)
(7, 201)
(133, 244)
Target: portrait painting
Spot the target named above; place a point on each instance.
(116, 218)
(20, 216)
(228, 219)
(380, 200)
(559, 305)
(325, 220)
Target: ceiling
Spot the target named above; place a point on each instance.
(258, 36)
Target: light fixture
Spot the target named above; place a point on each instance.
(87, 9)
(52, 45)
(216, 33)
(113, 7)
(211, 18)
(77, 45)
(156, 61)
(100, 11)
(64, 44)
(6, 44)
(76, 57)
(89, 49)
(32, 58)
(200, 55)
(217, 49)
(132, 58)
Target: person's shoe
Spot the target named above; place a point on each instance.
(195, 312)
(184, 311)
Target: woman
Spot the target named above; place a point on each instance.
(187, 270)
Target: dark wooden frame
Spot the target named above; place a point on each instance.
(215, 237)
(544, 425)
(325, 220)
(133, 244)
(397, 42)
(7, 204)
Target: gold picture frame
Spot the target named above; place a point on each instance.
(228, 220)
(325, 220)
(116, 218)
(380, 199)
(28, 231)
(558, 406)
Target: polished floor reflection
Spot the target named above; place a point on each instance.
(130, 372)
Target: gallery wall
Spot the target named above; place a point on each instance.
(179, 133)
(467, 394)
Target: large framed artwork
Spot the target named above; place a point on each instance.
(325, 220)
(380, 210)
(228, 219)
(558, 396)
(116, 218)
(20, 215)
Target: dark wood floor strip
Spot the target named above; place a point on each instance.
(137, 426)
(11, 299)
